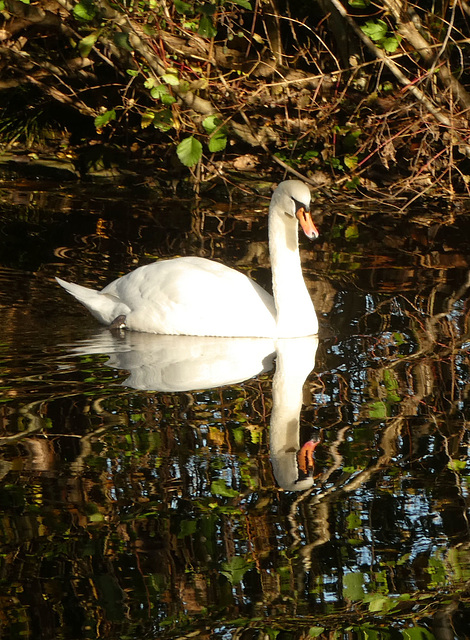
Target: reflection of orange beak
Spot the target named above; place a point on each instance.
(306, 223)
(305, 458)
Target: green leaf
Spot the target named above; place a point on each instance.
(217, 142)
(171, 77)
(391, 44)
(23, 1)
(211, 123)
(104, 118)
(243, 3)
(350, 162)
(182, 7)
(378, 410)
(353, 586)
(161, 92)
(121, 39)
(206, 28)
(84, 10)
(218, 487)
(87, 43)
(457, 465)
(375, 30)
(236, 569)
(132, 72)
(359, 4)
(314, 632)
(351, 232)
(163, 120)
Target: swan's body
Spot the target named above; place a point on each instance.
(199, 297)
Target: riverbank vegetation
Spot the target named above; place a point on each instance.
(358, 95)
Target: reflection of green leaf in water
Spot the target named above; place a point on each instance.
(378, 410)
(353, 520)
(379, 602)
(353, 588)
(235, 569)
(417, 633)
(457, 465)
(219, 488)
(187, 528)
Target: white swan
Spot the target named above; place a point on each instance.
(200, 297)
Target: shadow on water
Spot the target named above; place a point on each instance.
(154, 486)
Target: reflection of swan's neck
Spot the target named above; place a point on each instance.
(294, 306)
(295, 358)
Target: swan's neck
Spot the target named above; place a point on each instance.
(294, 308)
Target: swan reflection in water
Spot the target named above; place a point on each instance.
(188, 363)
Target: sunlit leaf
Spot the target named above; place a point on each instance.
(314, 632)
(87, 43)
(171, 78)
(189, 151)
(104, 118)
(359, 4)
(147, 119)
(391, 44)
(351, 232)
(211, 123)
(132, 72)
(375, 30)
(84, 10)
(217, 142)
(351, 161)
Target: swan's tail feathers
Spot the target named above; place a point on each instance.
(102, 306)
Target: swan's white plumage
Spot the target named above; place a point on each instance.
(195, 296)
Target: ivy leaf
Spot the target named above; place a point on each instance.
(104, 118)
(189, 151)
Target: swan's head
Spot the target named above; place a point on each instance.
(292, 198)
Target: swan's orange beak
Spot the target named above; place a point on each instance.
(306, 223)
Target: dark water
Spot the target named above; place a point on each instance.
(130, 512)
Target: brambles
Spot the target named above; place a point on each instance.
(370, 99)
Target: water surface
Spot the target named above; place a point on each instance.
(136, 505)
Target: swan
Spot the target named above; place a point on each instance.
(200, 297)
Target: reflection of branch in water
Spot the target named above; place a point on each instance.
(317, 504)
